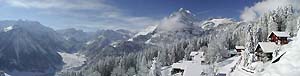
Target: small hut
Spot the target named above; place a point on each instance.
(239, 48)
(279, 37)
(264, 50)
(178, 68)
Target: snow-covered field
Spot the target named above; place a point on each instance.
(72, 60)
(193, 67)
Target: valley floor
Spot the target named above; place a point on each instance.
(72, 60)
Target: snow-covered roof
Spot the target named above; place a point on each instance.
(179, 65)
(240, 47)
(267, 47)
(199, 58)
(194, 53)
(280, 34)
(197, 70)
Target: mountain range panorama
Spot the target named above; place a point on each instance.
(29, 46)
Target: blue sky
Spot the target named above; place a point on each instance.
(112, 14)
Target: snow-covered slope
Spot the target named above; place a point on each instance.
(106, 38)
(179, 25)
(215, 23)
(75, 38)
(289, 63)
(146, 31)
(29, 47)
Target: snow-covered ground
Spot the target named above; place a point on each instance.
(193, 67)
(6, 74)
(72, 60)
(228, 65)
(289, 63)
(8, 28)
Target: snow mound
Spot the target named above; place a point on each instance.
(8, 28)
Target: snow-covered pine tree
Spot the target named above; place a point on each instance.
(155, 69)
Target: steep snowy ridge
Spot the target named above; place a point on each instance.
(177, 21)
(27, 49)
(215, 23)
(146, 31)
(179, 25)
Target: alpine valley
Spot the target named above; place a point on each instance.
(181, 44)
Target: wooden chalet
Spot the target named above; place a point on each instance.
(239, 48)
(264, 50)
(178, 69)
(279, 37)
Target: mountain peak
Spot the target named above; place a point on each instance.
(182, 12)
(179, 20)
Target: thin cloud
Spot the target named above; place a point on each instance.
(93, 14)
(254, 12)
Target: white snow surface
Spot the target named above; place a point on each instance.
(240, 47)
(228, 65)
(72, 60)
(146, 31)
(289, 63)
(5, 74)
(149, 29)
(8, 28)
(268, 46)
(217, 22)
(194, 67)
(281, 34)
(194, 53)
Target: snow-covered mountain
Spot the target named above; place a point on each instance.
(181, 24)
(106, 39)
(75, 39)
(29, 46)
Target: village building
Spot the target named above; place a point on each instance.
(193, 54)
(239, 49)
(232, 53)
(178, 68)
(279, 37)
(264, 51)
